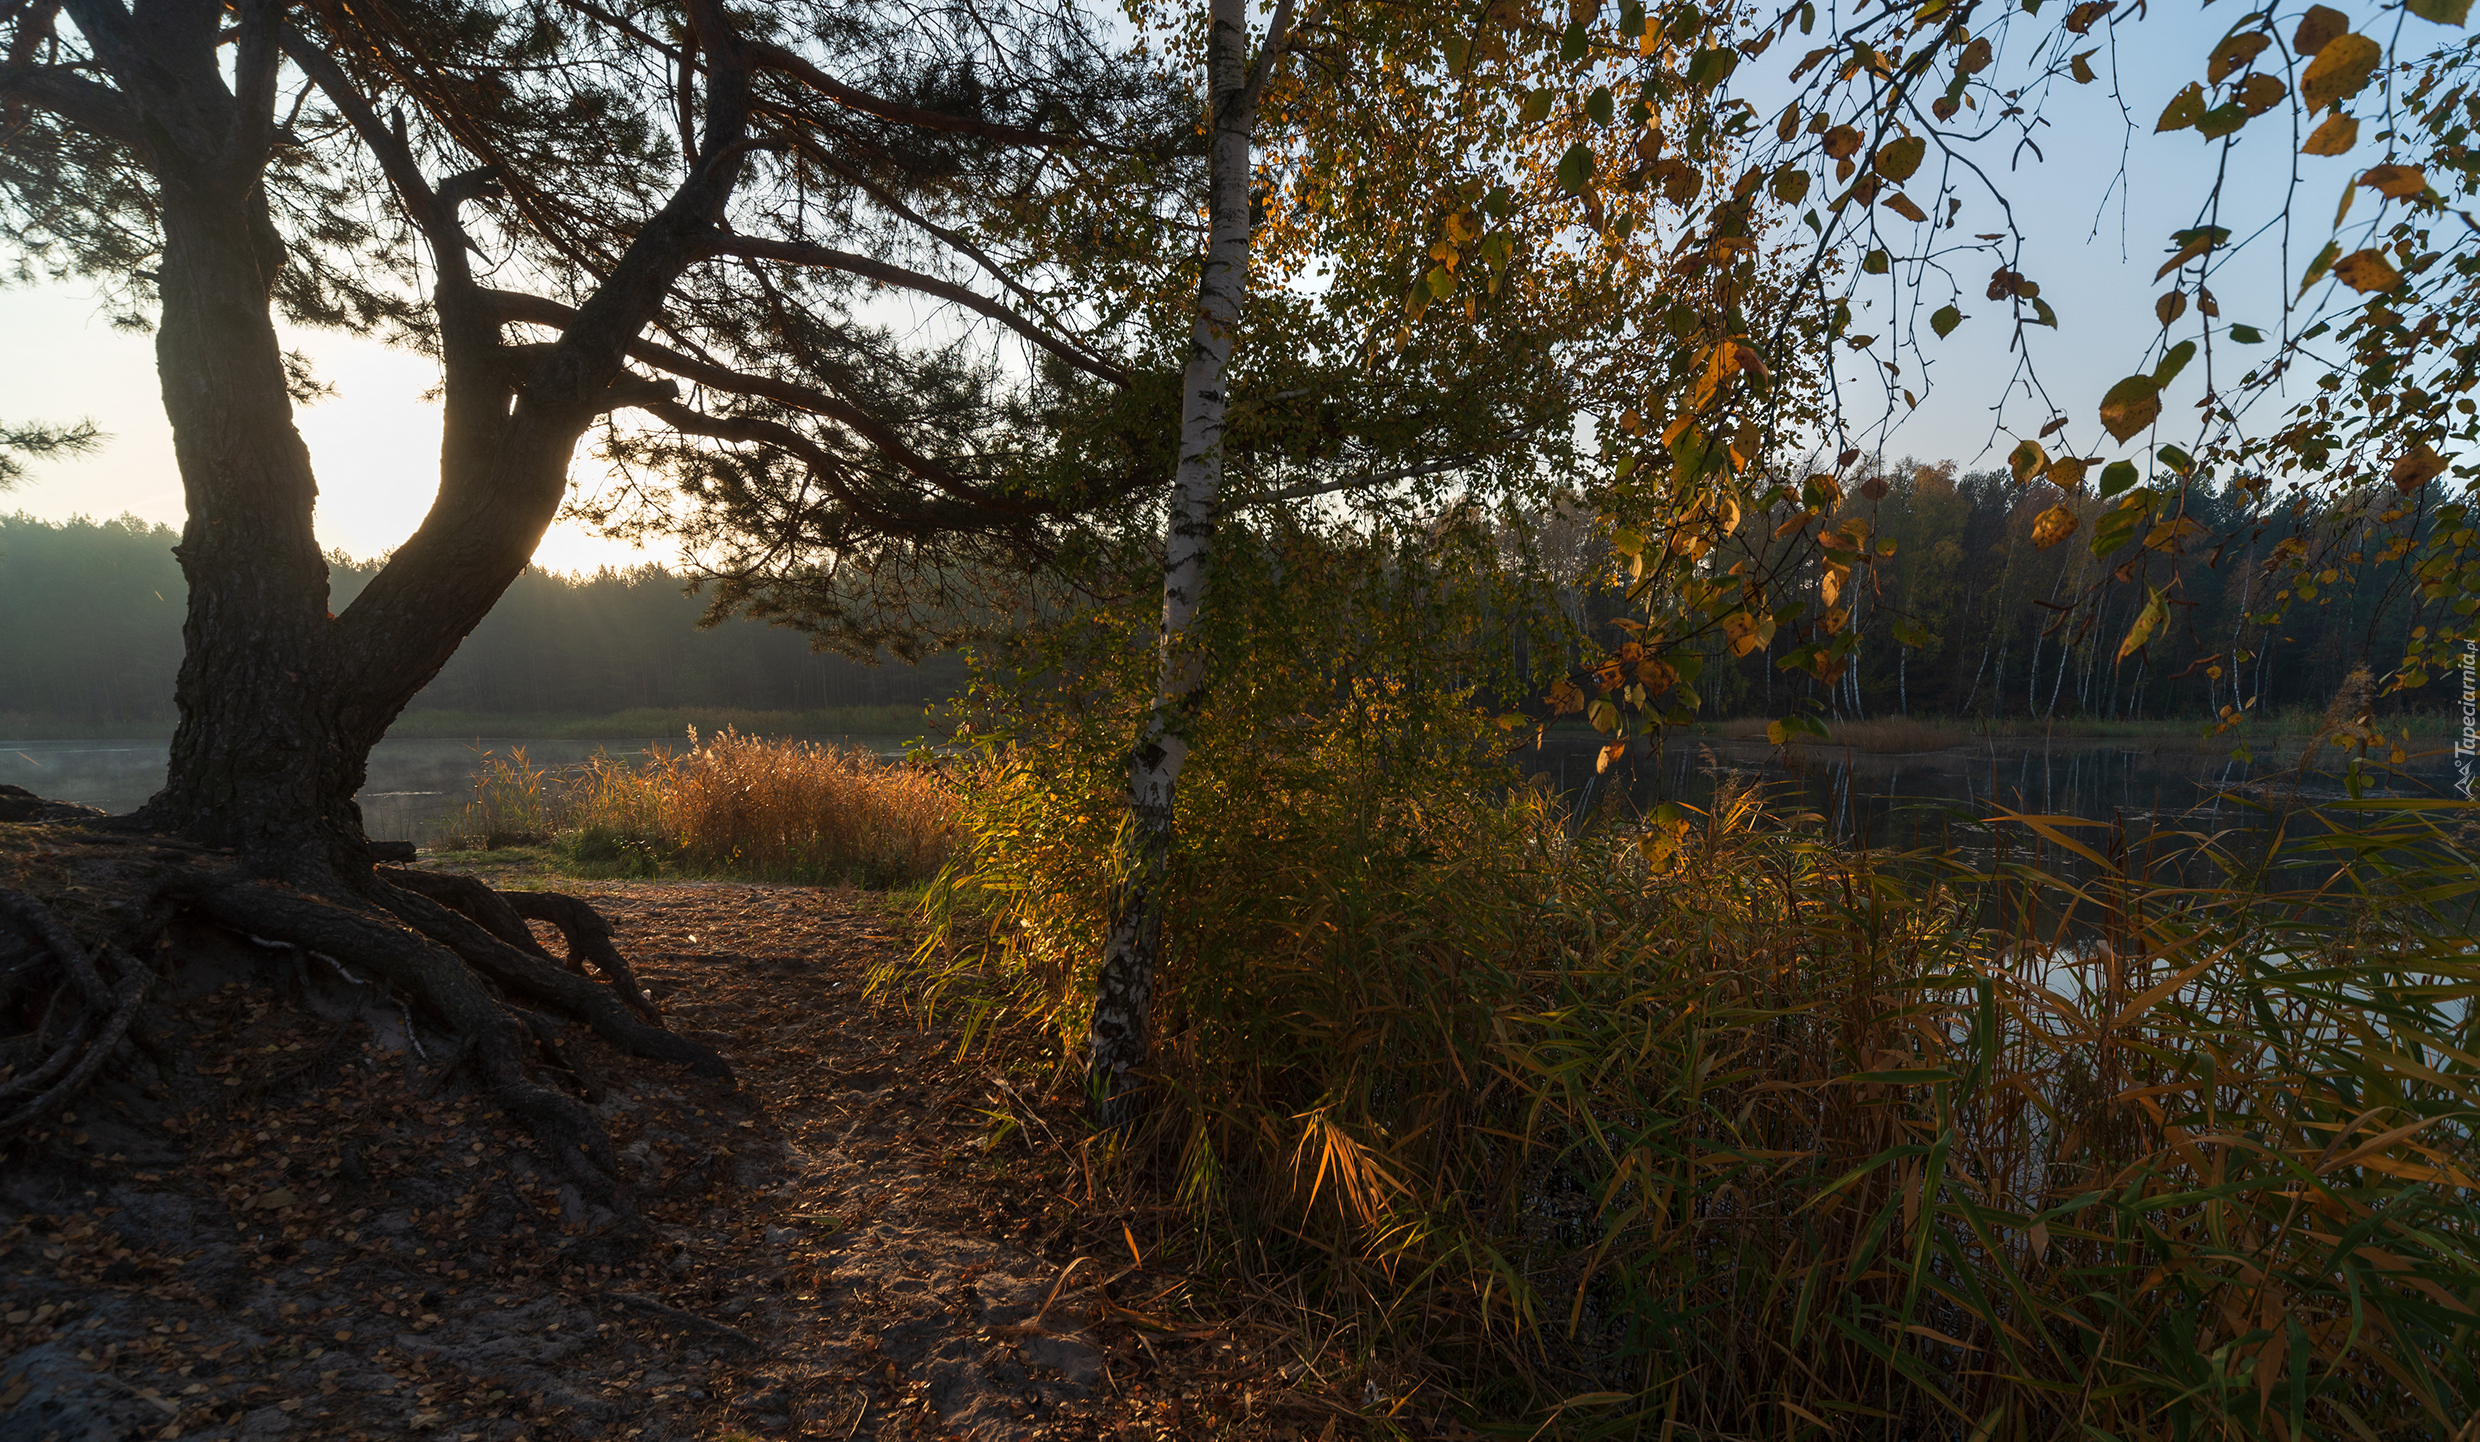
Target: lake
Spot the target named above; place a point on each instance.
(1880, 799)
(1918, 798)
(414, 785)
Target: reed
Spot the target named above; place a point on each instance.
(1698, 1126)
(731, 805)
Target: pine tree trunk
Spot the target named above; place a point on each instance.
(257, 764)
(1124, 990)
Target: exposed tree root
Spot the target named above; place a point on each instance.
(504, 914)
(104, 1008)
(455, 949)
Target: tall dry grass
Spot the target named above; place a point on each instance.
(793, 811)
(1706, 1128)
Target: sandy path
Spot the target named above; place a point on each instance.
(283, 1238)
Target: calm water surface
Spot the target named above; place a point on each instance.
(1880, 799)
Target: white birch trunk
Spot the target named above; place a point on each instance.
(1124, 991)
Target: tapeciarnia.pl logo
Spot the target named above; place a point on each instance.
(2466, 752)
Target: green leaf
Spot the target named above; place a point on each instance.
(2317, 267)
(1597, 106)
(1573, 44)
(2116, 477)
(1576, 168)
(2131, 406)
(1536, 107)
(1945, 320)
(2184, 110)
(2177, 460)
(2246, 335)
(2112, 531)
(2221, 120)
(2444, 12)
(1710, 68)
(2172, 362)
(1876, 262)
(1631, 18)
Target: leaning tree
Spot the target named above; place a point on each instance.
(688, 236)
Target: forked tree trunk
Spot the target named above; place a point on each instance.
(258, 764)
(280, 701)
(1124, 991)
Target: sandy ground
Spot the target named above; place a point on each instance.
(304, 1227)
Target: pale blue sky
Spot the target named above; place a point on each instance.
(2096, 245)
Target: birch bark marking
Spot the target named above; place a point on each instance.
(1124, 990)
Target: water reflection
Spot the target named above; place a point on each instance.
(1933, 798)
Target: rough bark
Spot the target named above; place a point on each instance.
(1124, 988)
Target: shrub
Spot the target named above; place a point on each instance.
(1701, 1122)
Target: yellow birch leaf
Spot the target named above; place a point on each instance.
(2146, 620)
(2341, 67)
(2365, 271)
(2395, 182)
(2335, 137)
(2054, 525)
(2321, 24)
(2416, 468)
(2131, 406)
(1897, 159)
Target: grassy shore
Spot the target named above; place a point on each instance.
(735, 805)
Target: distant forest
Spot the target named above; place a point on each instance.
(90, 640)
(2005, 641)
(90, 631)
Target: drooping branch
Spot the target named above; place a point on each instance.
(783, 62)
(796, 253)
(95, 108)
(537, 310)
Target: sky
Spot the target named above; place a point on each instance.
(2096, 242)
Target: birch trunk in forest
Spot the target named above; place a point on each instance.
(1124, 990)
